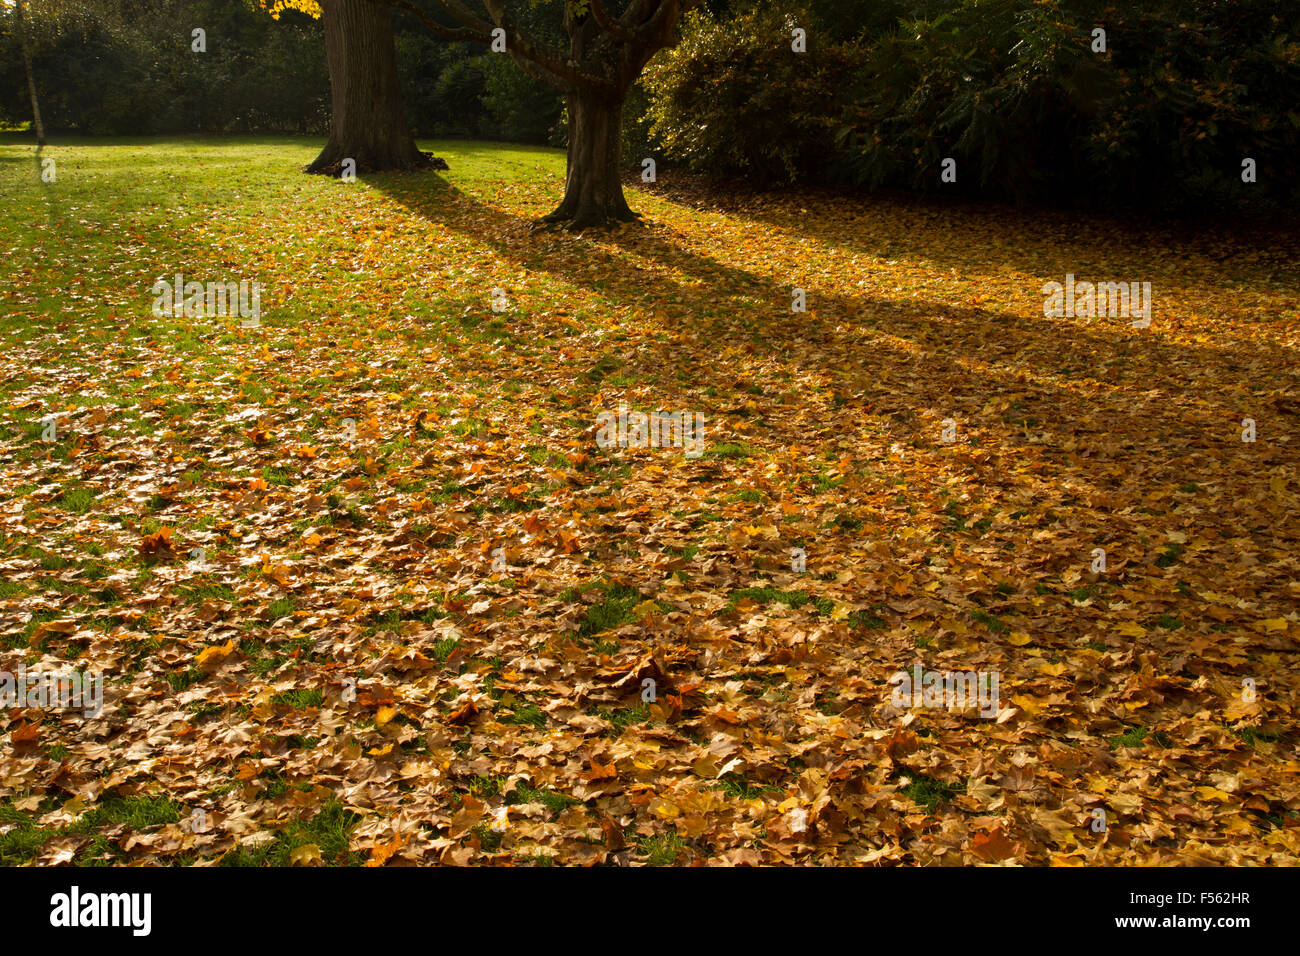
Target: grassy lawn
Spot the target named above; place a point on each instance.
(363, 586)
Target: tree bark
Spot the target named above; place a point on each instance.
(31, 79)
(606, 54)
(593, 188)
(367, 124)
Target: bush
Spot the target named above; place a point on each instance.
(733, 98)
(1013, 90)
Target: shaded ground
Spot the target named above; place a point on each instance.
(364, 588)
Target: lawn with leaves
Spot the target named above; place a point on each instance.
(363, 587)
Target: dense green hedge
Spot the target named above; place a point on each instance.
(1011, 89)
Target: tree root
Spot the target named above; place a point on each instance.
(583, 220)
(334, 167)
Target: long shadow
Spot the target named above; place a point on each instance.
(989, 334)
(1182, 259)
(1045, 241)
(931, 361)
(509, 236)
(1104, 353)
(1242, 356)
(1108, 461)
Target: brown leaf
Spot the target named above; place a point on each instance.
(467, 712)
(993, 846)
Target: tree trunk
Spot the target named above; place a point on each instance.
(31, 79)
(367, 124)
(593, 189)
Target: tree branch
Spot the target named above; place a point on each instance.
(549, 59)
(667, 13)
(465, 33)
(609, 25)
(539, 61)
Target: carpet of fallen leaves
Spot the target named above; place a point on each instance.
(367, 561)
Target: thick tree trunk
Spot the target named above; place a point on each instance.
(593, 191)
(31, 79)
(367, 125)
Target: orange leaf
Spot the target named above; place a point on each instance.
(381, 854)
(212, 657)
(599, 772)
(992, 846)
(465, 714)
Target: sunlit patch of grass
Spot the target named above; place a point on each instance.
(928, 792)
(22, 839)
(735, 785)
(77, 499)
(329, 830)
(553, 800)
(662, 850)
(732, 450)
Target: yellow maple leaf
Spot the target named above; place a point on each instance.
(664, 809)
(277, 7)
(213, 656)
(646, 607)
(305, 855)
(1027, 704)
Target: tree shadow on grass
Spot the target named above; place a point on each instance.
(963, 357)
(984, 238)
(1106, 421)
(1068, 432)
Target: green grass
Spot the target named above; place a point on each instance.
(281, 608)
(526, 715)
(21, 843)
(928, 792)
(735, 785)
(1252, 735)
(992, 622)
(766, 595)
(553, 801)
(1137, 736)
(328, 830)
(732, 450)
(198, 593)
(612, 608)
(301, 698)
(183, 680)
(868, 620)
(77, 499)
(661, 850)
(486, 786)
